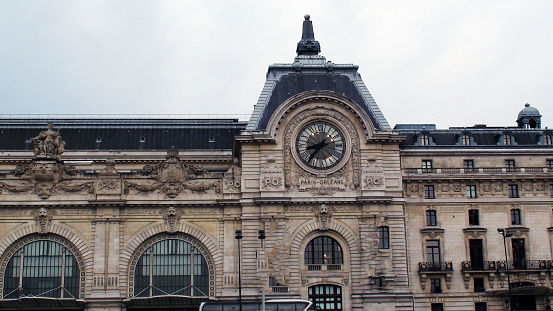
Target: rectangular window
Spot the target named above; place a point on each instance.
(476, 254)
(426, 166)
(431, 218)
(519, 253)
(480, 306)
(551, 190)
(379, 281)
(479, 285)
(384, 237)
(471, 191)
(474, 217)
(510, 165)
(516, 217)
(468, 165)
(513, 191)
(429, 192)
(435, 286)
(437, 307)
(433, 254)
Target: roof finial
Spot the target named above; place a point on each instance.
(308, 45)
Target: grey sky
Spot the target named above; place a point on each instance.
(452, 63)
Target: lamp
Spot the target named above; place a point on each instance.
(238, 236)
(506, 235)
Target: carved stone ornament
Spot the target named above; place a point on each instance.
(277, 257)
(45, 177)
(374, 182)
(172, 177)
(48, 144)
(172, 218)
(323, 213)
(109, 181)
(43, 218)
(292, 170)
(323, 185)
(232, 180)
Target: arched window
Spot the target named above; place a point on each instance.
(507, 139)
(326, 297)
(466, 139)
(42, 269)
(547, 139)
(171, 267)
(425, 140)
(323, 250)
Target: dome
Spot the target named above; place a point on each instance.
(529, 112)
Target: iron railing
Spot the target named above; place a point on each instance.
(512, 265)
(435, 266)
(480, 170)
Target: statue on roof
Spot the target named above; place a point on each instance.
(48, 144)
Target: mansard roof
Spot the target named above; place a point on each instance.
(125, 134)
(482, 136)
(311, 72)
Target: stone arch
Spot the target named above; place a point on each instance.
(62, 230)
(66, 239)
(186, 231)
(336, 229)
(293, 102)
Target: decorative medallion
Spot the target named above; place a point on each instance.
(46, 177)
(172, 177)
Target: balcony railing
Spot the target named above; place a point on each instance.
(332, 267)
(279, 289)
(512, 265)
(435, 266)
(480, 170)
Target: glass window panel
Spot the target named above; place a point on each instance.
(171, 270)
(41, 271)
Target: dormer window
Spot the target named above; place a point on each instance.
(465, 140)
(507, 139)
(547, 139)
(425, 140)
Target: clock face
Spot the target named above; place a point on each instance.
(320, 145)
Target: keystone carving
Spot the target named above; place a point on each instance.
(43, 217)
(172, 177)
(171, 219)
(323, 216)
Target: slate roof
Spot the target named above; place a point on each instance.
(125, 134)
(488, 137)
(311, 72)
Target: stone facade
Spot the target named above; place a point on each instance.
(364, 217)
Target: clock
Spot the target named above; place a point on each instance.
(320, 145)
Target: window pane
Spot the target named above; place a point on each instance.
(171, 267)
(323, 250)
(41, 265)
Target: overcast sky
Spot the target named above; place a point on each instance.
(452, 63)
